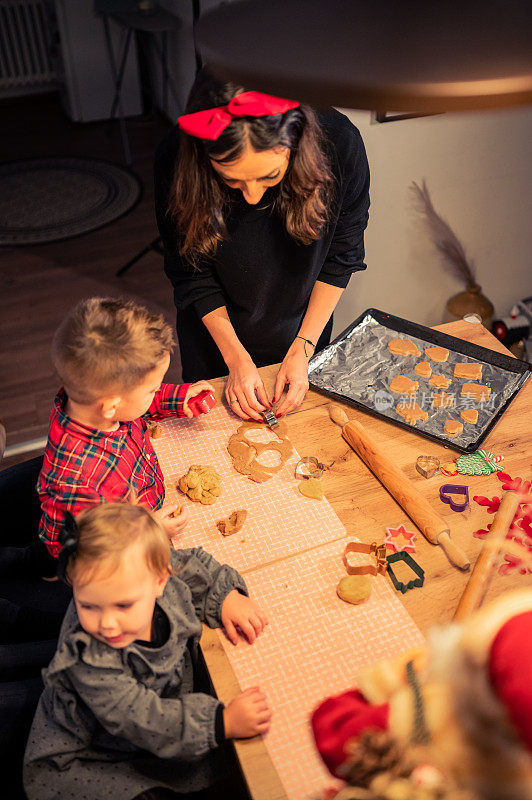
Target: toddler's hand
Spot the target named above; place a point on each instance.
(173, 525)
(193, 390)
(247, 715)
(242, 612)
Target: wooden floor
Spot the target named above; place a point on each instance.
(39, 283)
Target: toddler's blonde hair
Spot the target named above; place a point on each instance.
(106, 344)
(105, 534)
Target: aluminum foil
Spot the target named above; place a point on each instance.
(359, 367)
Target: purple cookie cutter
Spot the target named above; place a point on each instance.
(454, 488)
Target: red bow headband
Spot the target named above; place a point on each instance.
(209, 124)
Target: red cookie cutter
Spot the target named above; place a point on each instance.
(202, 403)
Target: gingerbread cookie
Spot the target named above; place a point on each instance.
(472, 372)
(202, 484)
(245, 452)
(440, 382)
(470, 415)
(403, 347)
(411, 412)
(439, 354)
(154, 429)
(423, 368)
(442, 400)
(403, 385)
(311, 487)
(453, 428)
(354, 588)
(476, 391)
(233, 523)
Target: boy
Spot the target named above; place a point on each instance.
(111, 356)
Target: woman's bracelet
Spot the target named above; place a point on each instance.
(307, 341)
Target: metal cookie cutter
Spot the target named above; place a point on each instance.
(270, 418)
(378, 551)
(309, 467)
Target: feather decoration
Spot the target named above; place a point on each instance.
(451, 251)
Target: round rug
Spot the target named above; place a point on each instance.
(49, 199)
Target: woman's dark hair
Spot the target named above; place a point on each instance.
(198, 196)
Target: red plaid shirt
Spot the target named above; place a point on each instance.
(84, 466)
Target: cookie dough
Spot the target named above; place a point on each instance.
(453, 428)
(233, 523)
(439, 354)
(411, 412)
(311, 487)
(440, 382)
(403, 385)
(472, 372)
(202, 484)
(476, 391)
(154, 429)
(338, 415)
(354, 588)
(423, 368)
(442, 400)
(403, 347)
(470, 415)
(245, 452)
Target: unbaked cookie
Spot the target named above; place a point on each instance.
(423, 368)
(439, 354)
(403, 347)
(411, 412)
(453, 428)
(202, 484)
(311, 487)
(468, 370)
(338, 415)
(442, 400)
(470, 415)
(476, 391)
(354, 588)
(154, 429)
(233, 523)
(440, 382)
(403, 385)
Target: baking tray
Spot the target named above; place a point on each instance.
(357, 368)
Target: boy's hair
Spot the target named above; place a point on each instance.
(105, 534)
(106, 344)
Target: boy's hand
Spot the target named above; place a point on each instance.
(173, 525)
(247, 715)
(242, 612)
(193, 390)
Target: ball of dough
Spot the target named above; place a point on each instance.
(202, 484)
(354, 588)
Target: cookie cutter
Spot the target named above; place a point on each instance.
(427, 466)
(313, 467)
(378, 551)
(414, 566)
(202, 403)
(454, 488)
(270, 418)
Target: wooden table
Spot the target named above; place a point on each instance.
(366, 509)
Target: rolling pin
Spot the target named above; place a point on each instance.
(479, 581)
(429, 522)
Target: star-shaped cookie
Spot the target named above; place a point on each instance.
(398, 539)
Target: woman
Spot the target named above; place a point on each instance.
(262, 205)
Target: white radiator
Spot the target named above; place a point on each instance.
(29, 49)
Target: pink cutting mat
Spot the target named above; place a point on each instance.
(280, 520)
(314, 646)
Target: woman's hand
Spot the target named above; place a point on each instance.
(245, 390)
(294, 372)
(239, 611)
(247, 715)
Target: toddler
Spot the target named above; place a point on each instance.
(120, 713)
